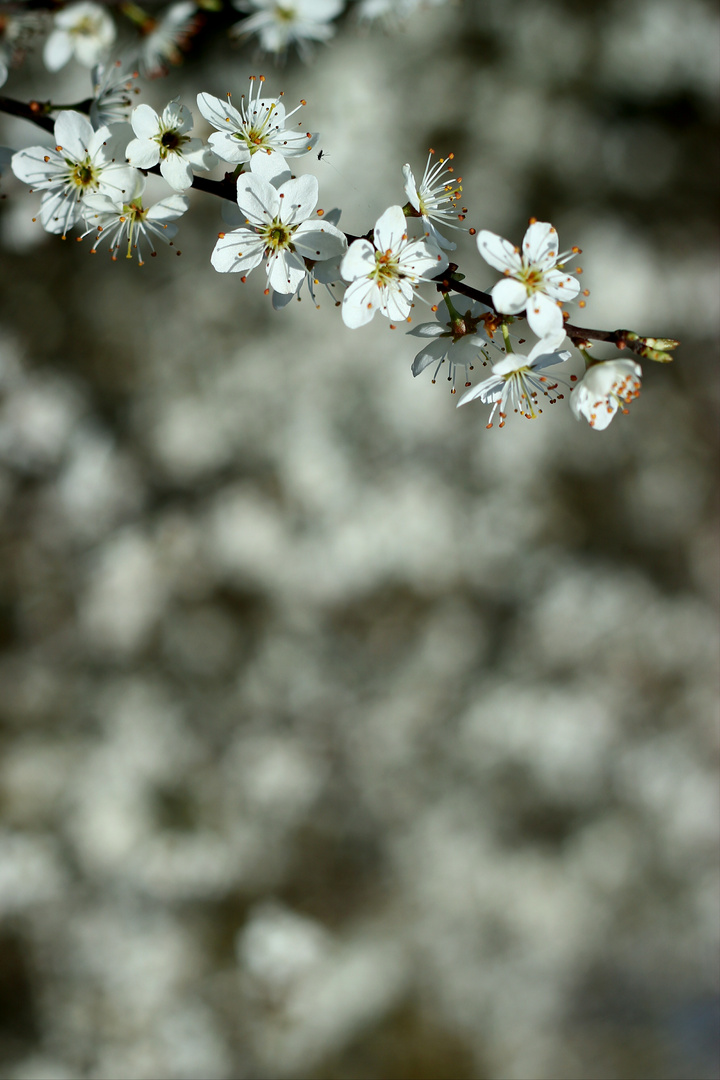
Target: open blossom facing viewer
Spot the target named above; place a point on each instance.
(83, 30)
(534, 280)
(282, 23)
(82, 162)
(258, 124)
(278, 232)
(605, 388)
(516, 384)
(384, 277)
(163, 139)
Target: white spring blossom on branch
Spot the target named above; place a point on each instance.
(92, 178)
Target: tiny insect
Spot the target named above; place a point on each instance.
(321, 154)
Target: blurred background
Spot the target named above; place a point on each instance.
(343, 739)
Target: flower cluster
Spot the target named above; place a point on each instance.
(87, 30)
(93, 179)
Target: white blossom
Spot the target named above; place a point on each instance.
(257, 125)
(282, 23)
(435, 197)
(82, 162)
(112, 87)
(384, 276)
(605, 388)
(132, 224)
(534, 281)
(84, 30)
(163, 139)
(516, 383)
(165, 38)
(458, 339)
(278, 232)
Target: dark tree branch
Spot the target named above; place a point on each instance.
(649, 348)
(33, 111)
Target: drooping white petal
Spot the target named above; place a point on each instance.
(428, 330)
(360, 302)
(285, 271)
(176, 171)
(543, 315)
(433, 353)
(397, 302)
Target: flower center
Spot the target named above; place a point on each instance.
(386, 267)
(170, 141)
(86, 27)
(284, 13)
(83, 174)
(277, 236)
(532, 278)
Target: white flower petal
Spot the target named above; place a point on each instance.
(499, 253)
(57, 50)
(285, 271)
(237, 252)
(431, 354)
(298, 198)
(257, 199)
(390, 229)
(359, 261)
(176, 171)
(540, 244)
(560, 285)
(411, 187)
(360, 302)
(73, 132)
(318, 241)
(543, 315)
(509, 296)
(143, 153)
(145, 122)
(271, 167)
